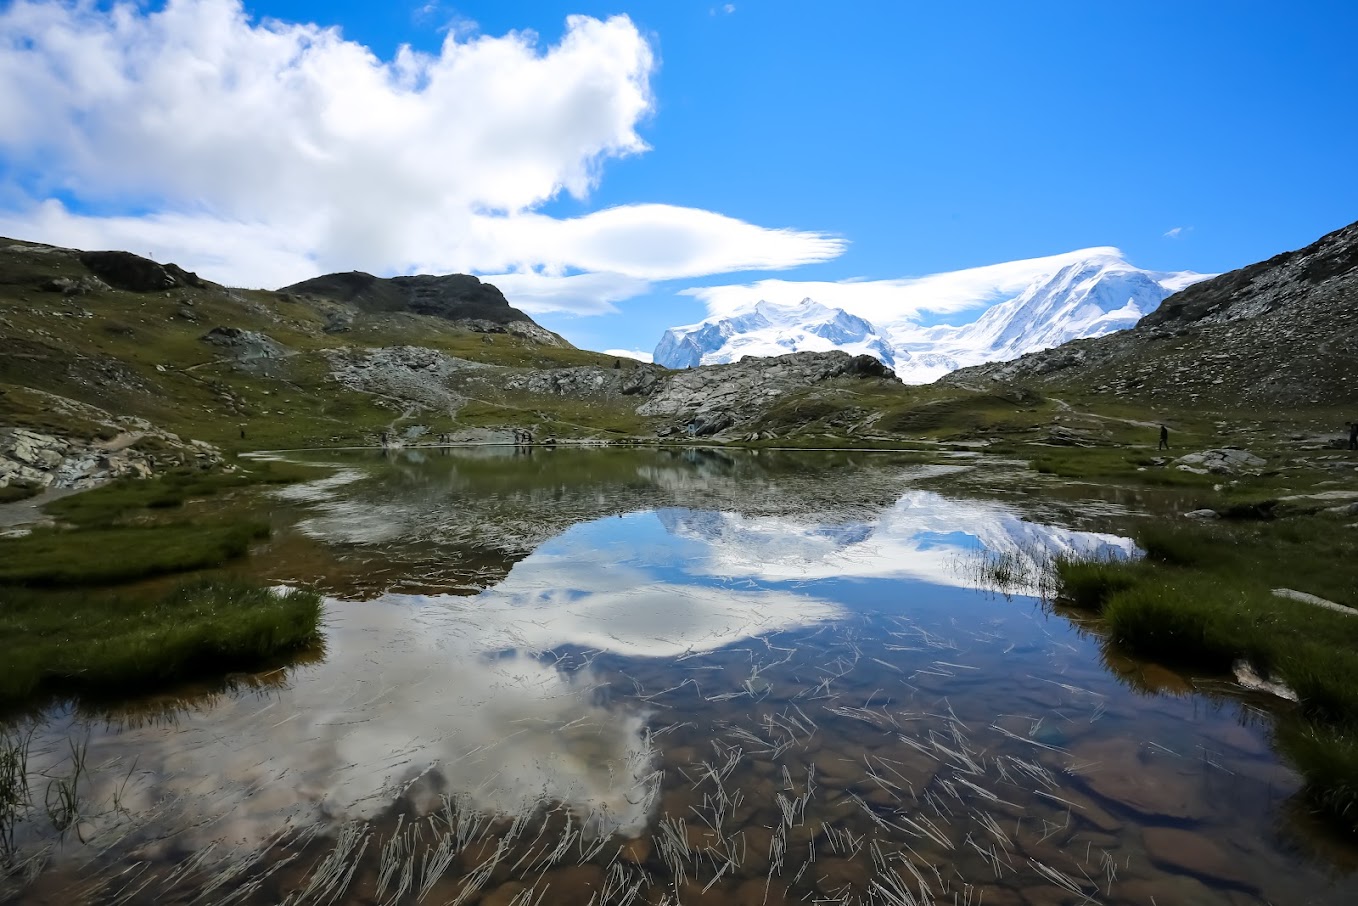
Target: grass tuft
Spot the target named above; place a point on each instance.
(1175, 545)
(108, 646)
(1089, 583)
(1327, 758)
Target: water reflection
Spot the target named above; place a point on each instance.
(922, 536)
(793, 694)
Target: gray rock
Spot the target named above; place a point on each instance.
(743, 390)
(709, 423)
(1202, 514)
(1224, 461)
(245, 344)
(69, 287)
(1062, 436)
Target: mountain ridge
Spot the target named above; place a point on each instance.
(1093, 296)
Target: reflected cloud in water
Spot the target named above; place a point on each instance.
(922, 536)
(421, 696)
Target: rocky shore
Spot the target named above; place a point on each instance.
(38, 461)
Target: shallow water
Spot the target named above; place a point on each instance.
(628, 676)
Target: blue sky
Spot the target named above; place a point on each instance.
(894, 139)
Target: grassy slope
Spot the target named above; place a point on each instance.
(135, 354)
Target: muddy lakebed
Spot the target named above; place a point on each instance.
(634, 676)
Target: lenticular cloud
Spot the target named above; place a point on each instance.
(263, 151)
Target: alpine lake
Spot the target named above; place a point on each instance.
(623, 676)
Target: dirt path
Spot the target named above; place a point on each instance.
(1066, 407)
(29, 512)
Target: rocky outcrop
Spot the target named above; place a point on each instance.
(587, 382)
(407, 374)
(453, 297)
(250, 349)
(124, 270)
(698, 402)
(70, 287)
(1280, 333)
(708, 400)
(37, 460)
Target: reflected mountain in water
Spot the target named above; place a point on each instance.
(459, 695)
(922, 535)
(455, 519)
(723, 650)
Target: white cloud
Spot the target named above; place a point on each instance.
(899, 299)
(261, 153)
(580, 294)
(1177, 232)
(630, 354)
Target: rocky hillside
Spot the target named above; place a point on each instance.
(1279, 334)
(103, 346)
(714, 400)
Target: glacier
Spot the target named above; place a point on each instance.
(1091, 296)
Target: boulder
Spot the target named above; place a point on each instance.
(708, 423)
(245, 345)
(1224, 461)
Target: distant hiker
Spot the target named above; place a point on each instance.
(527, 438)
(242, 432)
(1164, 438)
(1353, 435)
(384, 438)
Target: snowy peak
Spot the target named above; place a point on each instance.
(770, 330)
(1096, 294)
(1085, 299)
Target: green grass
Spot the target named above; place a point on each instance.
(1178, 544)
(962, 412)
(1090, 583)
(1202, 599)
(1327, 759)
(103, 645)
(1112, 465)
(57, 557)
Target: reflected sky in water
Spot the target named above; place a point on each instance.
(462, 695)
(615, 644)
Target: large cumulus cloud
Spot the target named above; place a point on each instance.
(262, 152)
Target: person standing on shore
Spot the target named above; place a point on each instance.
(1164, 438)
(1353, 435)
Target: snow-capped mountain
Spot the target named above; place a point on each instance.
(772, 330)
(1092, 296)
